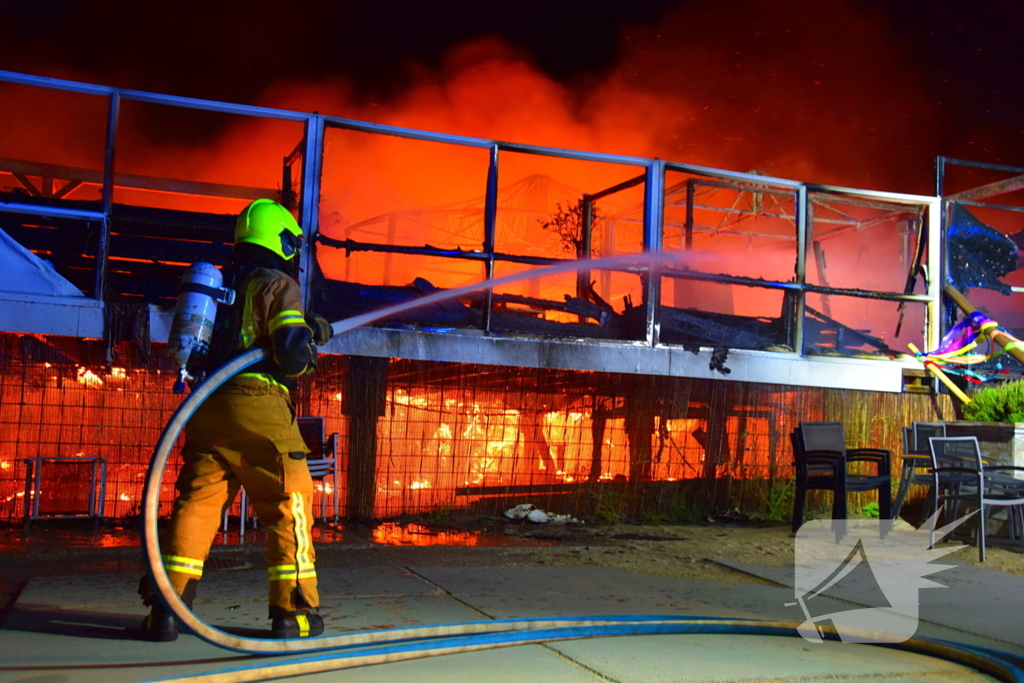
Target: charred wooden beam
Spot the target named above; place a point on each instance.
(365, 400)
(844, 330)
(704, 328)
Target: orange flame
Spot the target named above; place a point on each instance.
(88, 377)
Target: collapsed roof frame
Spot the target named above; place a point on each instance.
(653, 181)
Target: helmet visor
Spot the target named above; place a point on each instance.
(291, 244)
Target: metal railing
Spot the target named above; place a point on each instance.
(652, 177)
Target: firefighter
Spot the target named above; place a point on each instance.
(245, 433)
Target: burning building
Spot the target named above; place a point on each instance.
(656, 332)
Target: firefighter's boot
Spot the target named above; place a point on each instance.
(299, 624)
(160, 626)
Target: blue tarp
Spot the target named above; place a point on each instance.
(978, 254)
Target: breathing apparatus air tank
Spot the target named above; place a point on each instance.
(192, 327)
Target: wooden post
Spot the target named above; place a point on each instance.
(536, 443)
(598, 421)
(641, 409)
(716, 448)
(366, 391)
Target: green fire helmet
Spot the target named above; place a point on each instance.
(270, 225)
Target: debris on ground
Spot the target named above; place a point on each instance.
(733, 516)
(532, 513)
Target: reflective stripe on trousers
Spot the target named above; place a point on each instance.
(243, 435)
(303, 567)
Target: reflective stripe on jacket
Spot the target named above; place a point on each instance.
(271, 316)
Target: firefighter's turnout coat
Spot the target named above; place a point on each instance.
(245, 434)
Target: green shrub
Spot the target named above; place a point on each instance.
(1000, 403)
(652, 517)
(686, 511)
(609, 506)
(440, 514)
(777, 501)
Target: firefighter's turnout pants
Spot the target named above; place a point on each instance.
(245, 434)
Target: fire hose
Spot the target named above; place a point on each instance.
(388, 645)
(392, 645)
(985, 660)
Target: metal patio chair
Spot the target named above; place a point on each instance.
(323, 463)
(916, 466)
(959, 474)
(245, 514)
(821, 460)
(322, 460)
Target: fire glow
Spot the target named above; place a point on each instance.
(449, 445)
(88, 377)
(740, 109)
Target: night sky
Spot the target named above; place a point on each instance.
(868, 92)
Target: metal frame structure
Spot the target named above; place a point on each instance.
(653, 173)
(971, 197)
(974, 196)
(34, 480)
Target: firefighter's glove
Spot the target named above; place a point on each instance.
(322, 331)
(311, 365)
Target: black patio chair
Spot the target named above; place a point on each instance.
(917, 460)
(822, 460)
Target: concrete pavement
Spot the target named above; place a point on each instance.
(84, 628)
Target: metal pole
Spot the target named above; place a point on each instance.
(632, 182)
(803, 225)
(940, 174)
(688, 235)
(457, 253)
(389, 256)
(586, 239)
(37, 484)
(607, 249)
(938, 263)
(309, 202)
(937, 267)
(92, 491)
(490, 230)
(286, 185)
(103, 488)
(654, 198)
(30, 465)
(935, 273)
(100, 284)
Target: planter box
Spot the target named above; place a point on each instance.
(1000, 442)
